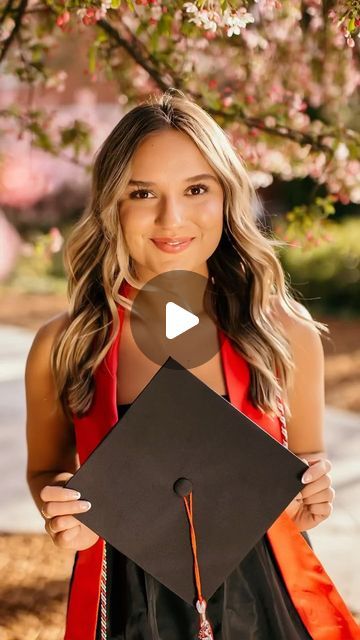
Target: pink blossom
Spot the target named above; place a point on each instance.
(63, 19)
(57, 239)
(21, 182)
(227, 101)
(10, 244)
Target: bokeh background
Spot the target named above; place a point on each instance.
(81, 86)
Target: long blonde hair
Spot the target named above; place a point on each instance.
(245, 268)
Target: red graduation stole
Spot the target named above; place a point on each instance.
(319, 605)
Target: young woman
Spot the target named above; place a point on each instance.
(167, 171)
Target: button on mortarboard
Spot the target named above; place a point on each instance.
(180, 435)
(183, 487)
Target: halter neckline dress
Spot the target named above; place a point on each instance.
(252, 604)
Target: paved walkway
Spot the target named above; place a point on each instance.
(336, 541)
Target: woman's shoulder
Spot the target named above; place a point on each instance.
(293, 322)
(299, 328)
(55, 325)
(47, 333)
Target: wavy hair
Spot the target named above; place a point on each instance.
(245, 271)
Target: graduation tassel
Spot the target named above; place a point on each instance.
(103, 604)
(205, 630)
(282, 419)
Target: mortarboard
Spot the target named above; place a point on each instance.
(184, 485)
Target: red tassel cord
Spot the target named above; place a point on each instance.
(205, 630)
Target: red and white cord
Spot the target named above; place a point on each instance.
(281, 416)
(103, 608)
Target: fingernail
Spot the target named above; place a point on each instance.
(75, 494)
(84, 506)
(307, 477)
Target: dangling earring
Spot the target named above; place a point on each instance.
(212, 280)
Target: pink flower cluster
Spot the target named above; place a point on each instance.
(347, 23)
(210, 19)
(87, 15)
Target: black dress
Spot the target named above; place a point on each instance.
(252, 604)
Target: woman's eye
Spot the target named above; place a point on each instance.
(199, 186)
(134, 193)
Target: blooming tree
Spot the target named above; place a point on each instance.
(281, 77)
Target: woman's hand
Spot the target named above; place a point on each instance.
(314, 503)
(65, 531)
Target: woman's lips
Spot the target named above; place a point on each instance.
(172, 246)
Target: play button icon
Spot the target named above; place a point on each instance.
(178, 320)
(171, 316)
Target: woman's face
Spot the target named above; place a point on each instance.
(165, 200)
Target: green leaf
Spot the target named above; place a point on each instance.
(188, 28)
(41, 139)
(141, 28)
(101, 37)
(154, 40)
(76, 136)
(92, 58)
(164, 24)
(351, 24)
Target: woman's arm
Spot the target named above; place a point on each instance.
(306, 424)
(50, 436)
(307, 394)
(52, 458)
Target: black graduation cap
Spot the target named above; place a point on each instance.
(180, 441)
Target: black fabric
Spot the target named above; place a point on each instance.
(252, 603)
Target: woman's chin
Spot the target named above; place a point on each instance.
(171, 263)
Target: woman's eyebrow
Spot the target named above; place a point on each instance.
(200, 176)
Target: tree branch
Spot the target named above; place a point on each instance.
(282, 132)
(7, 43)
(6, 10)
(148, 63)
(133, 52)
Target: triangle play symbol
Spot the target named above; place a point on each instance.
(178, 320)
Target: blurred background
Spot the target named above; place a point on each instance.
(59, 98)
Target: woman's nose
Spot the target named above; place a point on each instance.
(170, 213)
